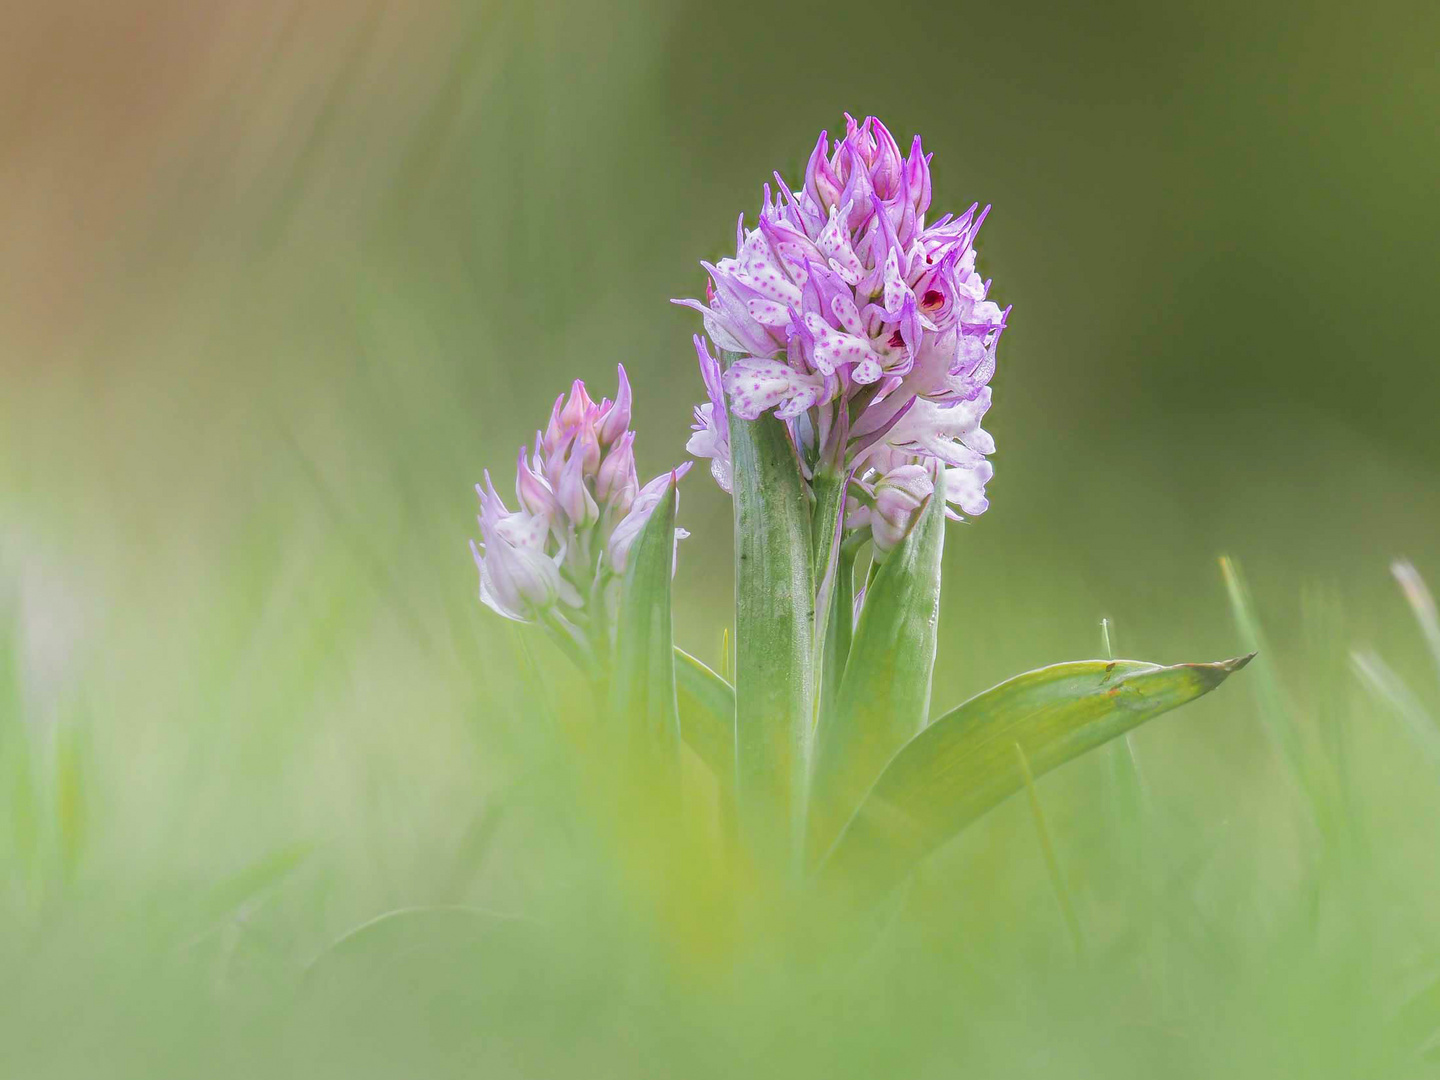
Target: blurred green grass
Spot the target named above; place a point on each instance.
(279, 281)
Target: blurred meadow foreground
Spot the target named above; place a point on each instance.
(280, 797)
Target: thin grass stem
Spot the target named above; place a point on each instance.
(1052, 864)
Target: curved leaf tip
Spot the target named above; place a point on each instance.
(963, 765)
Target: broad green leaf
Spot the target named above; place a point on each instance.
(964, 763)
(884, 695)
(707, 715)
(774, 634)
(642, 687)
(707, 725)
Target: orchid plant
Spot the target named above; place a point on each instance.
(851, 344)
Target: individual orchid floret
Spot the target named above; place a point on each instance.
(900, 495)
(712, 427)
(617, 551)
(558, 560)
(843, 309)
(886, 501)
(517, 578)
(950, 434)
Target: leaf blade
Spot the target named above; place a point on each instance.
(884, 693)
(707, 715)
(642, 688)
(964, 764)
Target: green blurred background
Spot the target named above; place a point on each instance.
(278, 281)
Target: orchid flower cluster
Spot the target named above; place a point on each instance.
(863, 327)
(559, 558)
(856, 343)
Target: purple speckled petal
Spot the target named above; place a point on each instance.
(845, 303)
(756, 385)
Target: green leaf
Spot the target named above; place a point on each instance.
(964, 764)
(707, 715)
(884, 695)
(707, 724)
(642, 687)
(774, 632)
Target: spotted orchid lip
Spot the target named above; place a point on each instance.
(842, 309)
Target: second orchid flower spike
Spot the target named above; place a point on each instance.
(560, 558)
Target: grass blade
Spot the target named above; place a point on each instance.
(1422, 603)
(1276, 711)
(1381, 679)
(1047, 847)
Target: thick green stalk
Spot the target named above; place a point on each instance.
(774, 637)
(839, 630)
(828, 490)
(825, 556)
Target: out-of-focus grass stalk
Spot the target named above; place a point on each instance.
(1388, 686)
(1276, 711)
(1422, 603)
(1052, 864)
(1378, 676)
(1128, 785)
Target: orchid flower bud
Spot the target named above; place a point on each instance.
(578, 407)
(558, 559)
(615, 415)
(532, 491)
(571, 490)
(617, 482)
(900, 495)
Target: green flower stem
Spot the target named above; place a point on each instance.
(839, 629)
